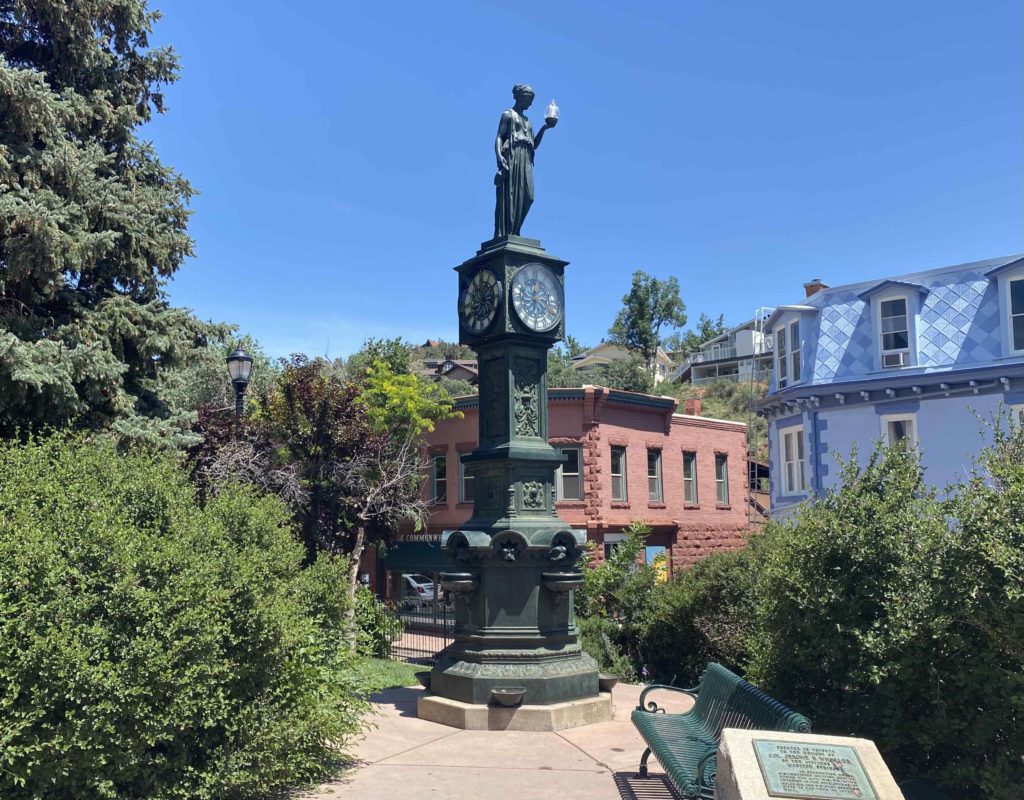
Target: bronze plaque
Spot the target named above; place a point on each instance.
(812, 771)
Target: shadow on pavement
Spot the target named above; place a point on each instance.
(403, 700)
(653, 787)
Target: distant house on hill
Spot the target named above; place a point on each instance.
(607, 352)
(451, 369)
(740, 354)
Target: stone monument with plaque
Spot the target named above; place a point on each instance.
(759, 765)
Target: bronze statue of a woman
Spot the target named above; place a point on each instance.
(514, 148)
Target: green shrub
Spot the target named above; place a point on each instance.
(884, 612)
(600, 636)
(703, 614)
(378, 626)
(150, 648)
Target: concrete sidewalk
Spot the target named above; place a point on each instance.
(407, 757)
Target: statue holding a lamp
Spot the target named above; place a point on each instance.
(514, 148)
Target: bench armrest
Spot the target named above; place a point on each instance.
(653, 707)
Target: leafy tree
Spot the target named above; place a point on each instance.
(396, 353)
(649, 306)
(92, 224)
(312, 421)
(629, 375)
(560, 371)
(690, 341)
(402, 402)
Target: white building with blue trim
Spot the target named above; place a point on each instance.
(924, 356)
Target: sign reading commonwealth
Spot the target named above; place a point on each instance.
(812, 771)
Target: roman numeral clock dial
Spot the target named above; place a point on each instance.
(537, 297)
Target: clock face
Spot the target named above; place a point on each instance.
(537, 297)
(479, 303)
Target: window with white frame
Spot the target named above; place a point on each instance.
(654, 493)
(1017, 412)
(438, 479)
(894, 326)
(618, 473)
(791, 447)
(722, 479)
(794, 352)
(690, 478)
(466, 485)
(899, 428)
(781, 368)
(570, 479)
(1016, 327)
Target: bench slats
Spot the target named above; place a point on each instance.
(683, 743)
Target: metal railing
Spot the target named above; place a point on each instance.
(427, 627)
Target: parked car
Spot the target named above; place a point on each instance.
(419, 590)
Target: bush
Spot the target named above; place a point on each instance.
(885, 613)
(702, 615)
(599, 637)
(154, 649)
(378, 626)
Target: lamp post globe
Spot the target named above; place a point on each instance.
(239, 366)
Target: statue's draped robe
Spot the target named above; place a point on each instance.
(514, 185)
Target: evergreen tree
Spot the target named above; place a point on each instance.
(92, 224)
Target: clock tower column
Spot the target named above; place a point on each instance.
(514, 561)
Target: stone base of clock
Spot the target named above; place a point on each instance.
(526, 717)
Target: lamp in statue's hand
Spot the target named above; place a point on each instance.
(551, 114)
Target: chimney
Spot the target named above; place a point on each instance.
(814, 286)
(691, 406)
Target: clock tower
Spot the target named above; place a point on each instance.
(514, 562)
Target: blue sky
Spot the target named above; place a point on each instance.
(344, 151)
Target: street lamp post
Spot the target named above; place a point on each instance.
(239, 366)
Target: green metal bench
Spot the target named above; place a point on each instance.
(686, 745)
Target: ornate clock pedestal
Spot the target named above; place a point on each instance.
(514, 561)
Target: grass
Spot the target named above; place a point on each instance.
(382, 673)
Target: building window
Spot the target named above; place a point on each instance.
(570, 481)
(791, 442)
(1017, 413)
(612, 541)
(898, 428)
(895, 328)
(439, 479)
(690, 478)
(780, 358)
(654, 476)
(619, 474)
(794, 352)
(722, 479)
(465, 484)
(1017, 315)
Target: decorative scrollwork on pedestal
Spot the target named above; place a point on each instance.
(526, 375)
(533, 495)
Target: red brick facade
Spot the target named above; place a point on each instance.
(596, 419)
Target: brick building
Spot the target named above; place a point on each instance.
(628, 457)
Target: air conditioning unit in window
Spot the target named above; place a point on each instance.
(893, 360)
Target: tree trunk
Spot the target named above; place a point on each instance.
(351, 632)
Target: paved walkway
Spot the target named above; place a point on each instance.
(405, 757)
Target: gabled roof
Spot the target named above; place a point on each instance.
(995, 272)
(875, 288)
(780, 310)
